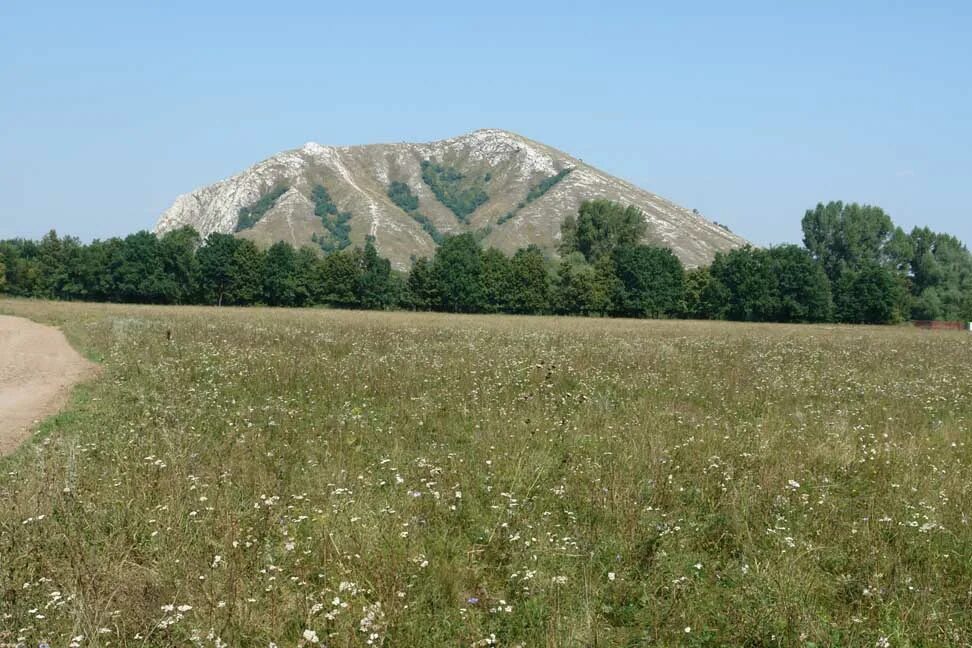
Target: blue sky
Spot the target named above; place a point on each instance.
(751, 112)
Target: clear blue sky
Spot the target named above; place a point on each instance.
(750, 112)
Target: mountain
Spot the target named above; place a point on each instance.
(511, 190)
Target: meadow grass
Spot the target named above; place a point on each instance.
(387, 479)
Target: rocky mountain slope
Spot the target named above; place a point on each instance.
(509, 189)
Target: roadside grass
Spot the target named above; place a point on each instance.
(394, 479)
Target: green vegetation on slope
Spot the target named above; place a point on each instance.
(536, 191)
(460, 193)
(251, 215)
(334, 221)
(401, 194)
(545, 185)
(425, 480)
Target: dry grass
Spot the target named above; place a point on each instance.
(413, 480)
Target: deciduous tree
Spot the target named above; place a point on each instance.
(650, 281)
(600, 227)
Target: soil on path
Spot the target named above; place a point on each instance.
(37, 370)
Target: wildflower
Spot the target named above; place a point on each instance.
(311, 636)
(794, 484)
(611, 576)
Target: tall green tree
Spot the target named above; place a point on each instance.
(458, 275)
(941, 279)
(177, 249)
(530, 285)
(52, 266)
(420, 286)
(651, 281)
(851, 236)
(600, 227)
(23, 269)
(375, 286)
(246, 274)
(216, 276)
(307, 289)
(803, 288)
(98, 268)
(872, 294)
(280, 282)
(698, 293)
(746, 280)
(581, 288)
(231, 271)
(340, 278)
(497, 281)
(137, 271)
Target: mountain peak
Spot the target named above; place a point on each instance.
(312, 148)
(509, 189)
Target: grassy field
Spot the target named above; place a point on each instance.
(353, 478)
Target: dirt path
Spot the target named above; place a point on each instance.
(37, 370)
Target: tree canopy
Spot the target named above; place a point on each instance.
(599, 228)
(848, 237)
(650, 281)
(857, 267)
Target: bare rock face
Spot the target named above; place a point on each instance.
(509, 171)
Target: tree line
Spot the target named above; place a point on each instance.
(855, 266)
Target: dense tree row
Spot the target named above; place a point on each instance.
(855, 267)
(177, 268)
(880, 273)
